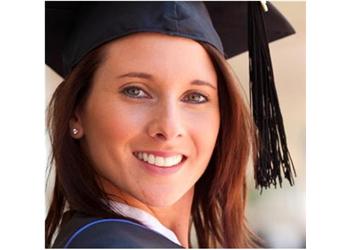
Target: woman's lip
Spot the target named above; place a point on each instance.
(157, 170)
(159, 153)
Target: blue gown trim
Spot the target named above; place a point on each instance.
(100, 221)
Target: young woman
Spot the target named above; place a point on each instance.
(150, 133)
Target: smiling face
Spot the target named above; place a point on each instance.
(151, 119)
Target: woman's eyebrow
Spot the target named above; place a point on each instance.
(138, 75)
(201, 83)
(150, 77)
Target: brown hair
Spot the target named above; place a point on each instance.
(219, 216)
(220, 194)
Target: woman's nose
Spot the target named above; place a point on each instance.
(166, 123)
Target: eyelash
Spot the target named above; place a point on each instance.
(126, 89)
(203, 99)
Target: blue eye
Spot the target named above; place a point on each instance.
(195, 98)
(134, 92)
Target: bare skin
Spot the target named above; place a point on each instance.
(153, 94)
(175, 217)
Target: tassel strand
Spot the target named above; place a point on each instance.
(273, 154)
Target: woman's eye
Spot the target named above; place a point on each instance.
(135, 92)
(195, 98)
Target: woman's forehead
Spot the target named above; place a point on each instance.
(155, 53)
(155, 45)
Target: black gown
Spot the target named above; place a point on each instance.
(81, 231)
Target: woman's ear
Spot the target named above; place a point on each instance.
(76, 126)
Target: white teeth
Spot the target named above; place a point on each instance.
(173, 160)
(158, 160)
(168, 161)
(150, 159)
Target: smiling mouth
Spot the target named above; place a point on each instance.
(159, 161)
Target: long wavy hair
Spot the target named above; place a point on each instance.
(218, 209)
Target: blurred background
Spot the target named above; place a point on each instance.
(276, 215)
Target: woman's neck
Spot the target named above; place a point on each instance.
(175, 217)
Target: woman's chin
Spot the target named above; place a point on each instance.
(160, 201)
(166, 199)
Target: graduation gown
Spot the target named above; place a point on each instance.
(82, 231)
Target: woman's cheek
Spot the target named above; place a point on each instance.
(205, 122)
(203, 128)
(122, 119)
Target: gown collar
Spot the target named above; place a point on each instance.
(145, 218)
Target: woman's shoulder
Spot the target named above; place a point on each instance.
(81, 231)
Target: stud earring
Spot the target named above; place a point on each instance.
(75, 131)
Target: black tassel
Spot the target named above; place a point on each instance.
(273, 154)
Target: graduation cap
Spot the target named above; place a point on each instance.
(72, 29)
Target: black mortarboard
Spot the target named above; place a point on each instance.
(72, 29)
